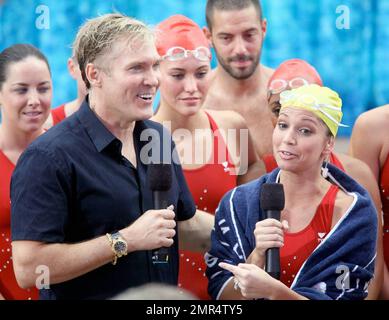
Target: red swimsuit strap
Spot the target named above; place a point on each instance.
(218, 141)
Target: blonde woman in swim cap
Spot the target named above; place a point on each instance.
(292, 74)
(328, 225)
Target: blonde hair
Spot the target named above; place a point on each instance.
(97, 36)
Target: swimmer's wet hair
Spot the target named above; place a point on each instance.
(97, 36)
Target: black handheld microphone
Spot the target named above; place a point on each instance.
(272, 203)
(160, 181)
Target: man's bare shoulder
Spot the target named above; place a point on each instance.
(267, 71)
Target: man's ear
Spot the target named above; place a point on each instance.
(93, 74)
(71, 68)
(208, 35)
(264, 27)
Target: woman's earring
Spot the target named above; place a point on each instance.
(324, 170)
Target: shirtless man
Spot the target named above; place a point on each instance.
(236, 30)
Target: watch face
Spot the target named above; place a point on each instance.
(120, 247)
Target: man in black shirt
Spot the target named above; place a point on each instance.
(81, 204)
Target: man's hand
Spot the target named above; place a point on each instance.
(153, 229)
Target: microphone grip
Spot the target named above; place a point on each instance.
(273, 254)
(273, 262)
(159, 200)
(160, 255)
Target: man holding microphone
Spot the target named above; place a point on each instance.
(81, 201)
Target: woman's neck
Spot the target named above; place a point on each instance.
(303, 187)
(12, 139)
(174, 120)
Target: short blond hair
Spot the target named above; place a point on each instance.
(97, 36)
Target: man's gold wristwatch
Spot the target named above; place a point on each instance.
(118, 245)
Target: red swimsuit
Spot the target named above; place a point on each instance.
(384, 190)
(300, 245)
(58, 114)
(8, 285)
(207, 184)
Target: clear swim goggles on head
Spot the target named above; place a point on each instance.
(179, 53)
(311, 102)
(279, 85)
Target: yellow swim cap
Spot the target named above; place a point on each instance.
(322, 101)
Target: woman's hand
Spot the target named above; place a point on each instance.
(253, 282)
(268, 233)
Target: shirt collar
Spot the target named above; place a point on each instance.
(99, 134)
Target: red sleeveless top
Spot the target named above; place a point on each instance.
(384, 190)
(58, 114)
(271, 163)
(300, 245)
(207, 185)
(8, 285)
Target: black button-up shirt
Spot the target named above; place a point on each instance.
(72, 184)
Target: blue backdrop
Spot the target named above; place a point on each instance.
(346, 40)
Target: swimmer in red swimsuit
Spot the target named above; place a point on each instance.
(369, 142)
(25, 98)
(328, 219)
(293, 74)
